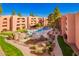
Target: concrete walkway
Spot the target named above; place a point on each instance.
(1, 52)
(57, 49)
(24, 49)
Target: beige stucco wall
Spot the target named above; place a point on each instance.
(63, 24)
(32, 20)
(14, 22)
(1, 22)
(77, 29)
(70, 28)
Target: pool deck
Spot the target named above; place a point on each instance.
(24, 49)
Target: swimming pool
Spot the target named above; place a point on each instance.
(38, 31)
(42, 29)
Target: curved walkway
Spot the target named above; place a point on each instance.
(1, 52)
(24, 49)
(57, 49)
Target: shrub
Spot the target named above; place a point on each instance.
(7, 33)
(39, 25)
(33, 47)
(22, 30)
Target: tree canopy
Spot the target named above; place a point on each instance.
(57, 13)
(13, 12)
(54, 17)
(31, 14)
(19, 14)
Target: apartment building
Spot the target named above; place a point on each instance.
(70, 28)
(77, 29)
(32, 20)
(14, 22)
(18, 22)
(4, 23)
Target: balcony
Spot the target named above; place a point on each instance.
(18, 24)
(5, 19)
(4, 22)
(4, 25)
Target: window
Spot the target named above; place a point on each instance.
(18, 21)
(18, 18)
(4, 25)
(23, 18)
(31, 23)
(34, 18)
(4, 22)
(5, 18)
(23, 27)
(66, 28)
(18, 28)
(31, 18)
(65, 36)
(23, 21)
(18, 24)
(4, 30)
(23, 24)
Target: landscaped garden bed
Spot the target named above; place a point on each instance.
(66, 50)
(9, 49)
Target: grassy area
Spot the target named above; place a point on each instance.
(66, 50)
(8, 33)
(8, 49)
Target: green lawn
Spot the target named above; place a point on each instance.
(66, 50)
(9, 49)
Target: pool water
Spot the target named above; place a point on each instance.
(42, 29)
(39, 31)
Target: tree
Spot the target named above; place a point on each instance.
(0, 9)
(54, 18)
(57, 16)
(38, 25)
(13, 12)
(56, 13)
(31, 14)
(19, 14)
(50, 20)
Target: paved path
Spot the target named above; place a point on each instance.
(24, 49)
(1, 52)
(57, 49)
